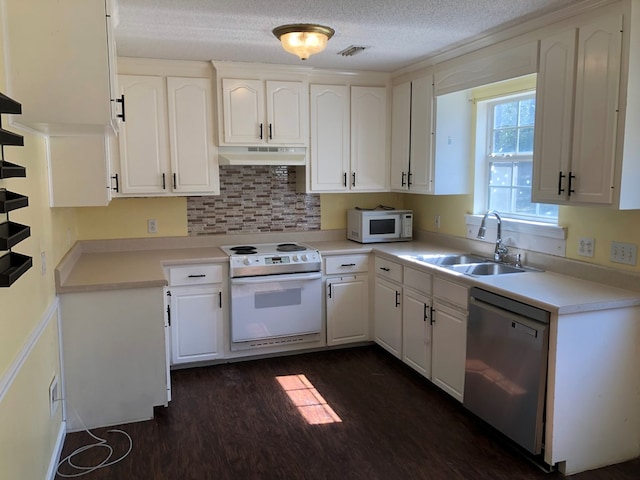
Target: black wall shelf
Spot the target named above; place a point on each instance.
(12, 265)
(8, 170)
(12, 233)
(12, 201)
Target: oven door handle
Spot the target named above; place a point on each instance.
(285, 277)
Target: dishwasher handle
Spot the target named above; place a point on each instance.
(518, 321)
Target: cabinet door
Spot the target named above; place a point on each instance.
(194, 168)
(452, 148)
(554, 117)
(196, 324)
(420, 165)
(144, 146)
(388, 316)
(416, 331)
(286, 113)
(243, 111)
(347, 309)
(57, 64)
(369, 165)
(449, 349)
(596, 110)
(400, 136)
(329, 159)
(79, 171)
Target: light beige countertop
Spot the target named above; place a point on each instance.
(103, 266)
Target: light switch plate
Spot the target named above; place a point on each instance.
(626, 253)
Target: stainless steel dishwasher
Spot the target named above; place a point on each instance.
(506, 367)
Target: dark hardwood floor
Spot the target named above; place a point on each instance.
(236, 421)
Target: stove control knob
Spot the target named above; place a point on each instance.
(246, 261)
(304, 258)
(294, 258)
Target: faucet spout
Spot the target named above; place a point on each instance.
(500, 250)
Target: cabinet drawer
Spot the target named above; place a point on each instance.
(418, 280)
(388, 269)
(340, 264)
(451, 292)
(195, 274)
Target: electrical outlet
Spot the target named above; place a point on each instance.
(586, 246)
(436, 220)
(152, 225)
(54, 395)
(43, 263)
(626, 253)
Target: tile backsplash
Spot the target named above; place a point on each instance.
(254, 200)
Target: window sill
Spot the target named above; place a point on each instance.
(520, 234)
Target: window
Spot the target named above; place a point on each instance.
(505, 158)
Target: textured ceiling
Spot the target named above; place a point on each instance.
(395, 32)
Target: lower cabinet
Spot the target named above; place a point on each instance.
(347, 299)
(449, 350)
(114, 356)
(196, 324)
(417, 317)
(195, 312)
(387, 318)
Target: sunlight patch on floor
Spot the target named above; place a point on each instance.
(307, 400)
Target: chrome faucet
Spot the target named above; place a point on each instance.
(500, 250)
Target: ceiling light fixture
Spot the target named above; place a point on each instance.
(303, 39)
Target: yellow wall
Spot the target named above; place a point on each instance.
(28, 432)
(127, 218)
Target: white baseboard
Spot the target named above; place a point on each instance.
(57, 451)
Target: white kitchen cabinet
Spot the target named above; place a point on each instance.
(387, 316)
(416, 320)
(79, 170)
(449, 347)
(166, 140)
(369, 164)
(259, 112)
(196, 299)
(329, 138)
(411, 136)
(196, 324)
(576, 128)
(347, 298)
(58, 64)
(348, 139)
(114, 356)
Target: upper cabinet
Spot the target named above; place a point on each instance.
(257, 112)
(579, 114)
(428, 158)
(166, 140)
(60, 64)
(348, 139)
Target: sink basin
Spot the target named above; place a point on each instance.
(487, 268)
(448, 260)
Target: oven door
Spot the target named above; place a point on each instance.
(274, 306)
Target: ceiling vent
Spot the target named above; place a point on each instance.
(351, 51)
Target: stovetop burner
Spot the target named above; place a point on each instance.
(244, 250)
(290, 247)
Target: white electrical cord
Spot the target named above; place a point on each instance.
(101, 442)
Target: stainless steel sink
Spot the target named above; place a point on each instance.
(448, 260)
(487, 268)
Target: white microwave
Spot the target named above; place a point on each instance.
(371, 226)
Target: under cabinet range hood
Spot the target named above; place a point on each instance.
(291, 156)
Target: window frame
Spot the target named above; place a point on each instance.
(483, 155)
